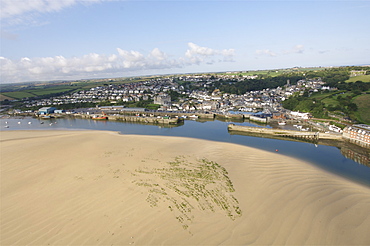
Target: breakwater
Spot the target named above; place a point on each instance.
(145, 119)
(302, 135)
(139, 119)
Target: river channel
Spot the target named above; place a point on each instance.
(329, 158)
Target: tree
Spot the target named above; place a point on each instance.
(352, 107)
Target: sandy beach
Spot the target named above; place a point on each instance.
(103, 188)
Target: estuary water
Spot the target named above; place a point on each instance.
(328, 158)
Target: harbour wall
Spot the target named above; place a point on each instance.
(141, 119)
(159, 113)
(304, 135)
(144, 119)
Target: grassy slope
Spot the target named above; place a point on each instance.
(363, 104)
(363, 78)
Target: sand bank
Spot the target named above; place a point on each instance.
(100, 188)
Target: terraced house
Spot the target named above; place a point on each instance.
(358, 134)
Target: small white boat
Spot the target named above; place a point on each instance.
(6, 126)
(282, 123)
(194, 116)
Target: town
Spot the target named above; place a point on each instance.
(170, 99)
(195, 99)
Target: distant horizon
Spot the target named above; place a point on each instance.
(52, 40)
(173, 74)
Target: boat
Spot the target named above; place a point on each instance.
(193, 116)
(282, 123)
(99, 117)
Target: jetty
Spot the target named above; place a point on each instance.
(301, 135)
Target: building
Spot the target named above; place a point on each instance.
(46, 110)
(59, 111)
(358, 134)
(163, 99)
(357, 73)
(298, 115)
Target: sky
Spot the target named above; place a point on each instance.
(43, 40)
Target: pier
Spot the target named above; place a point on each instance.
(301, 135)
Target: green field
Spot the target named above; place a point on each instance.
(321, 96)
(275, 72)
(18, 94)
(363, 78)
(52, 90)
(35, 92)
(21, 91)
(363, 104)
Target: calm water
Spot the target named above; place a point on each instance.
(326, 157)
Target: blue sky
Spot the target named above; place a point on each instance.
(74, 39)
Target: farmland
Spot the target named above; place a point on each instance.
(363, 78)
(39, 92)
(43, 90)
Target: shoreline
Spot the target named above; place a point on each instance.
(118, 189)
(353, 154)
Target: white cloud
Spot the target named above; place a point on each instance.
(90, 65)
(198, 50)
(265, 52)
(297, 49)
(158, 55)
(197, 54)
(27, 12)
(13, 8)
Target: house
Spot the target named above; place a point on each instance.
(278, 115)
(358, 134)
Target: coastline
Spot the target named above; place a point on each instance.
(99, 187)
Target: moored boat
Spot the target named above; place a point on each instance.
(99, 117)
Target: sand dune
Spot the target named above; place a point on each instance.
(100, 188)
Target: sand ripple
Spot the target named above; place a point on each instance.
(100, 188)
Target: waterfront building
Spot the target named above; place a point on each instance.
(358, 134)
(47, 110)
(59, 111)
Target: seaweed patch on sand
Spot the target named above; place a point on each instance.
(200, 184)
